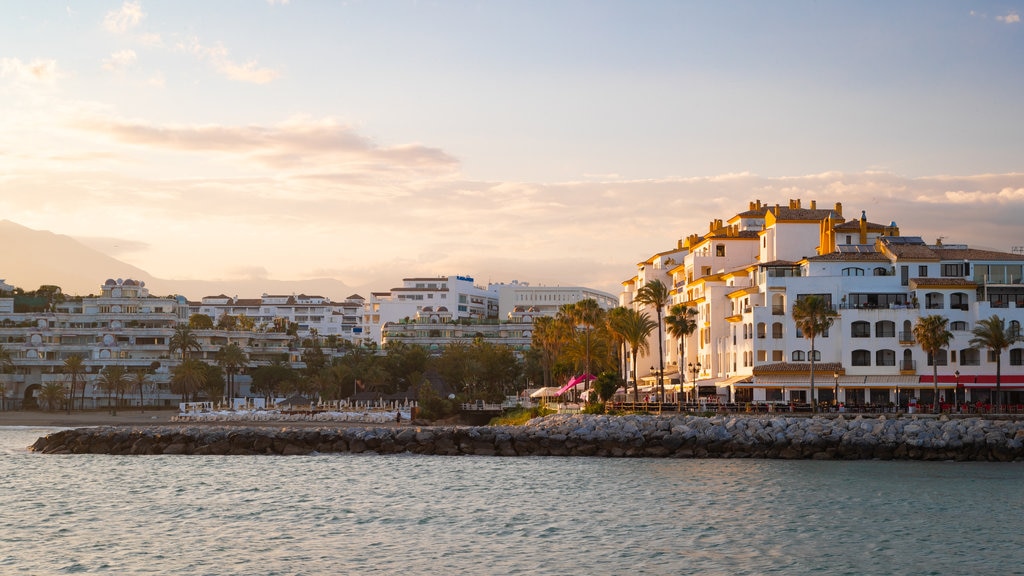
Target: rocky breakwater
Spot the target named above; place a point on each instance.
(679, 436)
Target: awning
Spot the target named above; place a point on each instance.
(573, 382)
(545, 392)
(744, 379)
(845, 381)
(976, 381)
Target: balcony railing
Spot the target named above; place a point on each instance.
(908, 366)
(906, 336)
(778, 310)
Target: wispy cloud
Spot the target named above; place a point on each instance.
(120, 61)
(1010, 18)
(124, 18)
(36, 71)
(219, 57)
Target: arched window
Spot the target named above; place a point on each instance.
(861, 358)
(816, 353)
(885, 329)
(1014, 329)
(860, 329)
(908, 361)
(907, 333)
(798, 356)
(880, 271)
(934, 301)
(762, 330)
(1016, 356)
(940, 359)
(777, 330)
(970, 357)
(778, 305)
(853, 271)
(958, 300)
(885, 358)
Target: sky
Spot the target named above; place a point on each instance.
(551, 142)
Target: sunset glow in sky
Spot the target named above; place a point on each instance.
(550, 142)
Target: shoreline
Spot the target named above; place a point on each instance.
(153, 417)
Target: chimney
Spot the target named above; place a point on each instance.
(814, 204)
(839, 208)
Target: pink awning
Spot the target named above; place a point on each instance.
(574, 381)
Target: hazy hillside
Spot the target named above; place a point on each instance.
(31, 258)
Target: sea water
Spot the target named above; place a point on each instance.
(408, 514)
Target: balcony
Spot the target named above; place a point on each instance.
(906, 337)
(778, 310)
(908, 367)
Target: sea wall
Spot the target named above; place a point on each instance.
(679, 436)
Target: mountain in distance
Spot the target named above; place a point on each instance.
(33, 258)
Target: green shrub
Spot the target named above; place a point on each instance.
(520, 416)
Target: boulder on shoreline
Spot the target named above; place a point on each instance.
(671, 436)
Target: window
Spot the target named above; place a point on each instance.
(958, 300)
(860, 358)
(798, 356)
(860, 329)
(776, 355)
(958, 326)
(1016, 357)
(939, 360)
(762, 355)
(1014, 329)
(934, 301)
(885, 329)
(885, 358)
(955, 270)
(777, 330)
(970, 357)
(922, 271)
(720, 250)
(762, 330)
(816, 354)
(852, 271)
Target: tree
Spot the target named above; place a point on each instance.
(613, 323)
(200, 322)
(227, 322)
(231, 358)
(271, 379)
(992, 334)
(74, 367)
(656, 294)
(588, 314)
(813, 316)
(184, 340)
(606, 385)
(51, 394)
(114, 380)
(636, 328)
(931, 334)
(680, 323)
(213, 384)
(140, 379)
(550, 334)
(188, 378)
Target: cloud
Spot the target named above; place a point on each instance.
(120, 61)
(36, 71)
(218, 56)
(1011, 18)
(125, 18)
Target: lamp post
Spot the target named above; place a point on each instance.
(835, 392)
(655, 375)
(956, 391)
(694, 370)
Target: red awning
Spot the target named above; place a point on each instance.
(978, 381)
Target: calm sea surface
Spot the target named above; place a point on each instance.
(405, 514)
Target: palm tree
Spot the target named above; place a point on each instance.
(188, 378)
(74, 366)
(231, 358)
(680, 323)
(613, 323)
(6, 364)
(636, 328)
(139, 381)
(992, 334)
(813, 316)
(655, 293)
(931, 333)
(184, 340)
(549, 336)
(114, 380)
(51, 394)
(589, 314)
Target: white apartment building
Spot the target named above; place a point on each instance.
(456, 296)
(313, 314)
(743, 276)
(516, 299)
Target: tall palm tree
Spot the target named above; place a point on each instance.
(655, 294)
(636, 328)
(588, 314)
(184, 340)
(231, 358)
(548, 338)
(992, 334)
(813, 316)
(931, 333)
(74, 367)
(6, 364)
(114, 380)
(51, 395)
(613, 321)
(139, 381)
(681, 322)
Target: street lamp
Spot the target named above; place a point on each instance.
(835, 392)
(655, 375)
(956, 391)
(694, 370)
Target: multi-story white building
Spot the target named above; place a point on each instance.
(744, 275)
(519, 298)
(312, 314)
